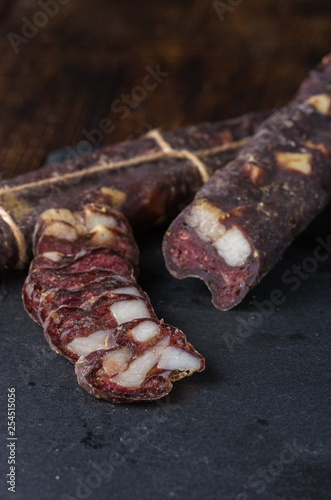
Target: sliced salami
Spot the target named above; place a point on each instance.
(61, 231)
(77, 297)
(84, 293)
(103, 312)
(142, 364)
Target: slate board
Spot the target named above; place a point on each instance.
(255, 424)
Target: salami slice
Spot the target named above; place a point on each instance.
(243, 219)
(86, 260)
(42, 280)
(77, 297)
(145, 359)
(103, 312)
(85, 295)
(68, 233)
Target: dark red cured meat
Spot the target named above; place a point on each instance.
(73, 322)
(148, 192)
(121, 244)
(157, 382)
(118, 238)
(53, 299)
(45, 279)
(243, 219)
(66, 323)
(87, 260)
(88, 300)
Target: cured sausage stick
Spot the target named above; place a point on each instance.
(82, 289)
(148, 180)
(243, 219)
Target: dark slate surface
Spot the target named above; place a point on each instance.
(254, 425)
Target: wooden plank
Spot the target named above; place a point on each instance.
(65, 79)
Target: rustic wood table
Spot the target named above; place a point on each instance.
(67, 65)
(254, 424)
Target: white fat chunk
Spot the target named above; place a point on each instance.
(96, 218)
(146, 330)
(101, 235)
(135, 375)
(205, 218)
(127, 310)
(300, 162)
(233, 247)
(321, 102)
(116, 361)
(61, 230)
(128, 290)
(174, 358)
(56, 216)
(84, 345)
(59, 214)
(230, 244)
(54, 256)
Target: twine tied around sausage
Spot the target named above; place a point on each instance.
(103, 165)
(182, 153)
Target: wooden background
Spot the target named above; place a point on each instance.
(76, 62)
